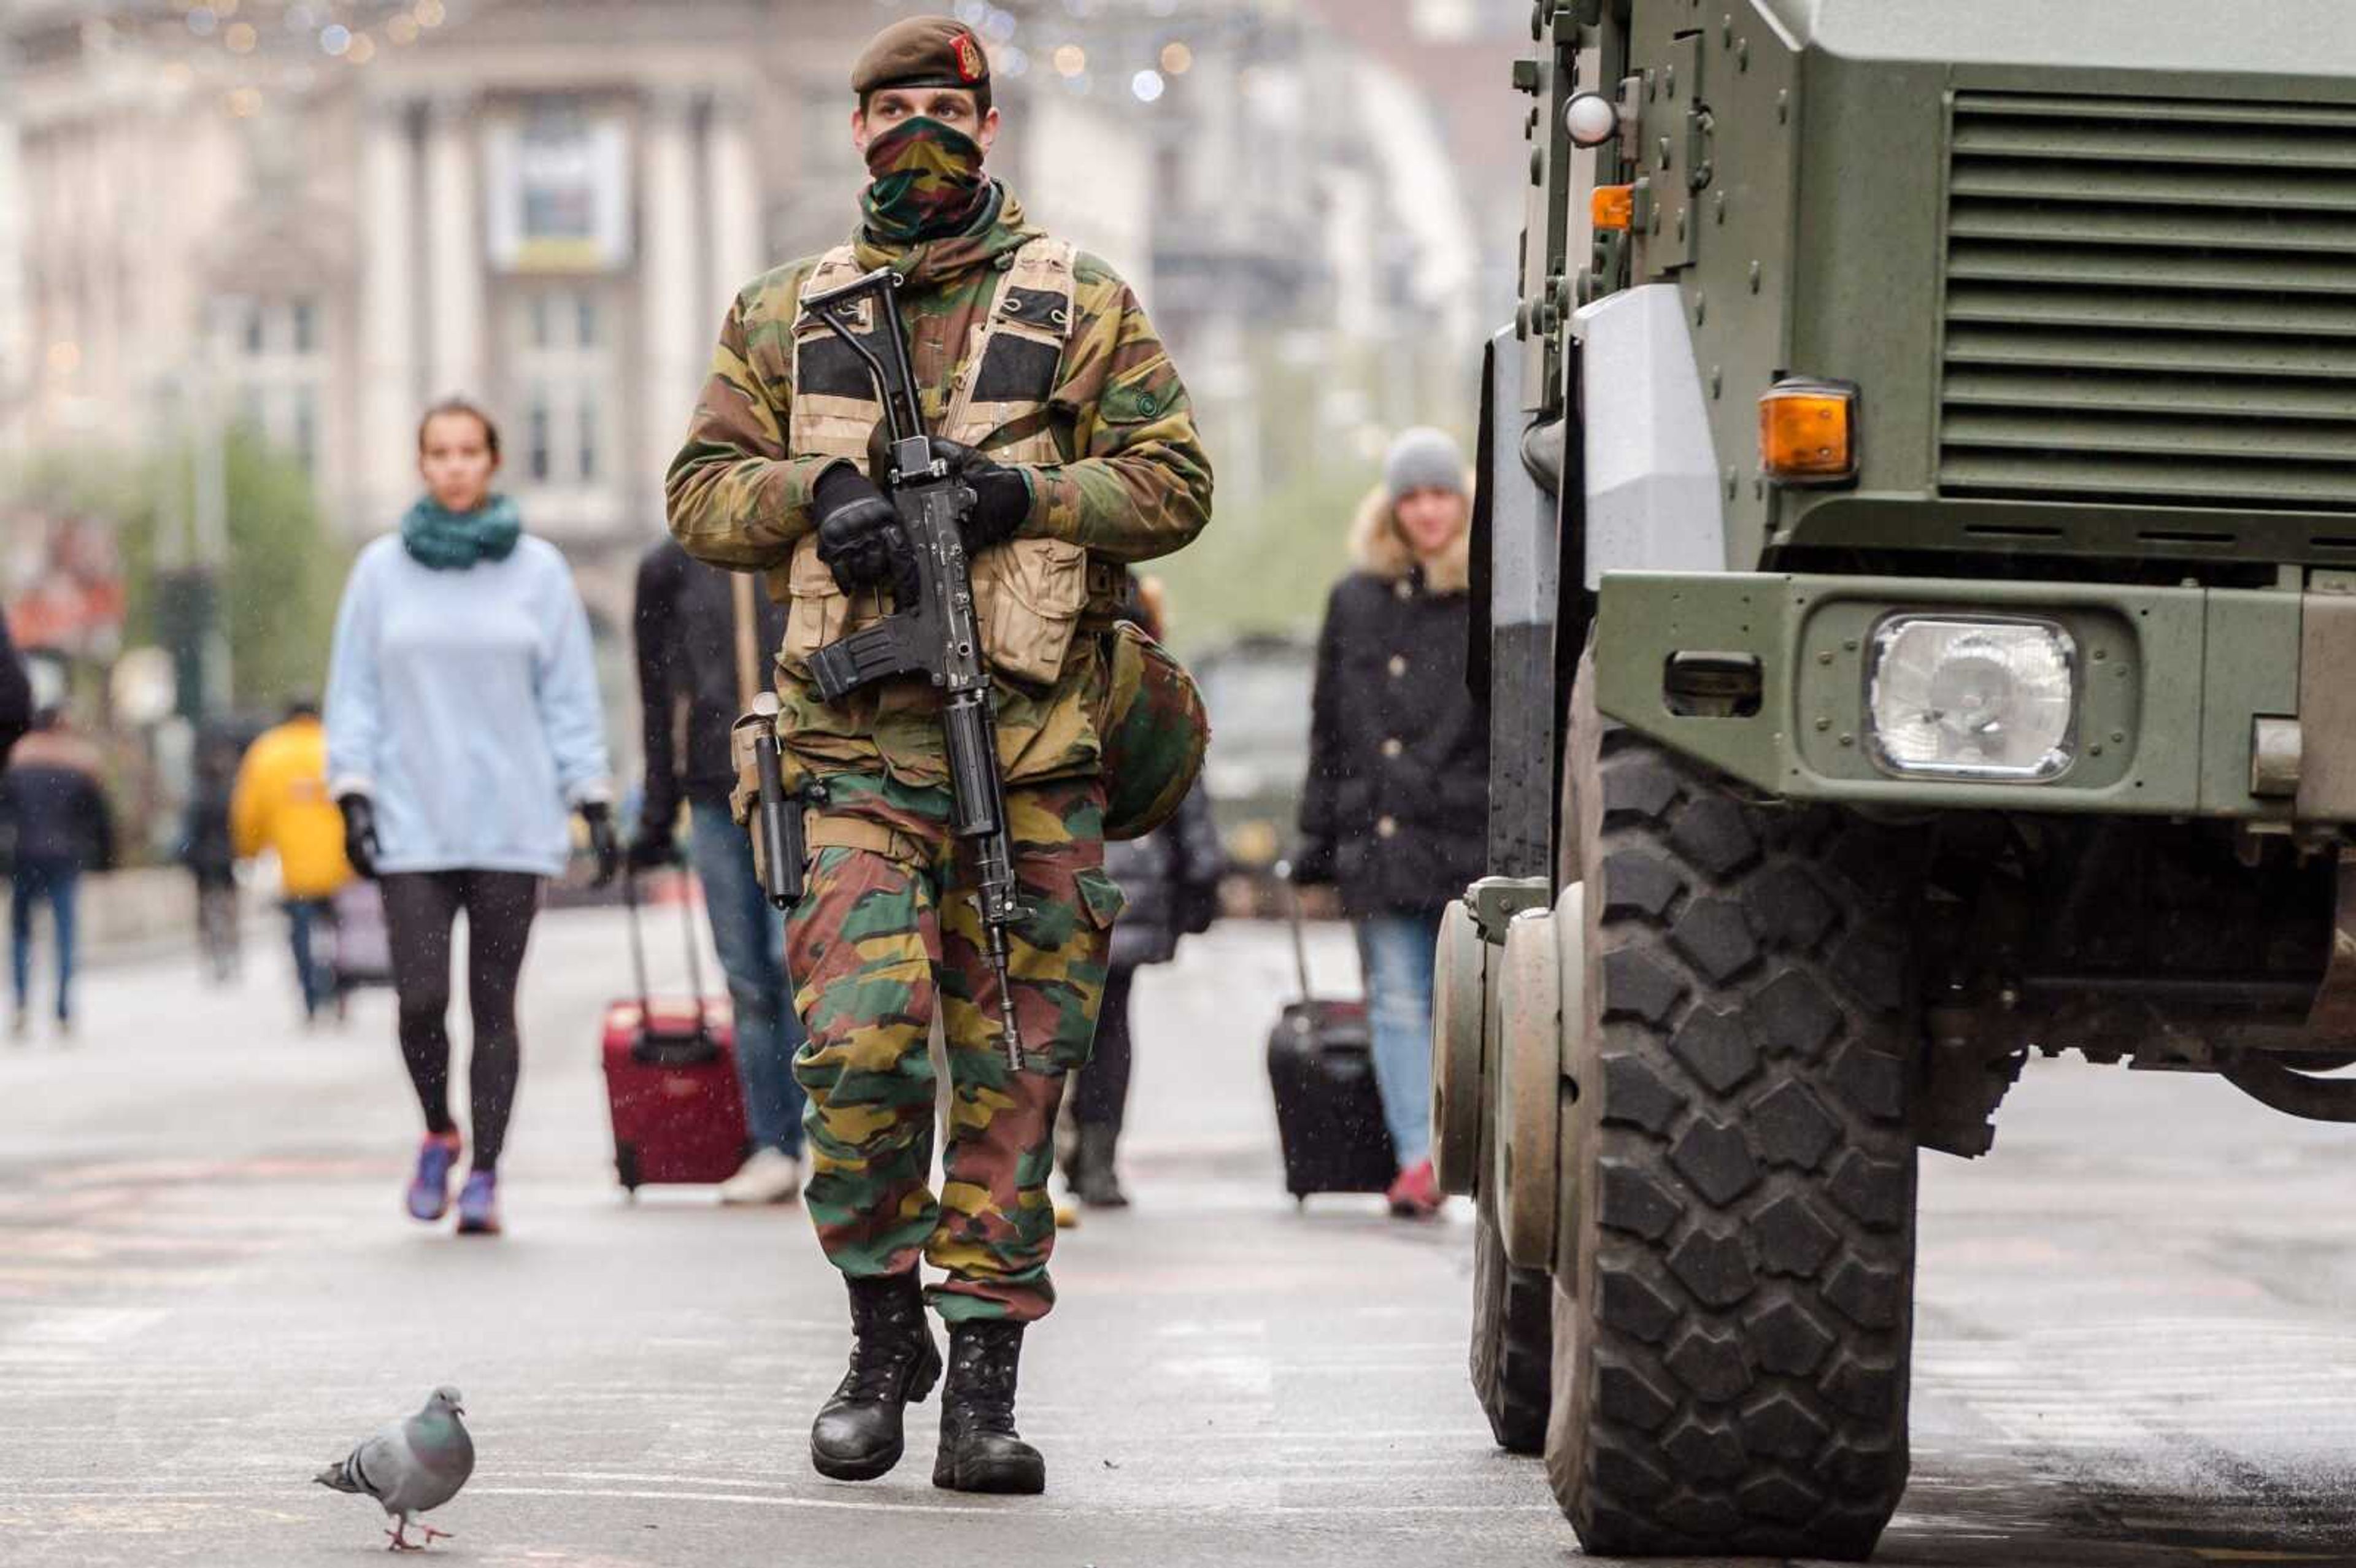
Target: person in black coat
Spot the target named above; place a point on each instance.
(693, 676)
(209, 852)
(1170, 887)
(54, 820)
(1395, 812)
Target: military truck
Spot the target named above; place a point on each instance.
(1919, 523)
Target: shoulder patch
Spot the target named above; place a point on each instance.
(1140, 398)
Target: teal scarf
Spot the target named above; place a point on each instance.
(453, 542)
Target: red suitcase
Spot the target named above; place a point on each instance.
(670, 1076)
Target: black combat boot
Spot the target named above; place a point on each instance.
(979, 1449)
(894, 1363)
(1094, 1180)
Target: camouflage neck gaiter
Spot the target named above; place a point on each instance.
(927, 183)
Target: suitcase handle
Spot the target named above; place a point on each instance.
(1293, 918)
(639, 955)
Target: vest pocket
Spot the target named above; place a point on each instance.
(817, 610)
(1027, 597)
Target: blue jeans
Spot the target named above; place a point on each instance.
(31, 882)
(750, 938)
(304, 917)
(1396, 952)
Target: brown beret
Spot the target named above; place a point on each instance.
(923, 51)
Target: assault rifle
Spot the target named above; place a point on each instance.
(934, 637)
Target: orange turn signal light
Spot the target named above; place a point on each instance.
(1807, 432)
(1614, 206)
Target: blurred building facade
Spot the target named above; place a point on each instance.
(319, 216)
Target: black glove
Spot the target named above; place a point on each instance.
(654, 845)
(1001, 496)
(604, 842)
(1312, 865)
(360, 846)
(860, 537)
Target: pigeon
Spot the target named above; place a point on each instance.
(411, 1468)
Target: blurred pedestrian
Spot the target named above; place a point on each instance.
(462, 721)
(704, 637)
(210, 857)
(55, 823)
(1396, 807)
(1058, 410)
(1170, 884)
(281, 804)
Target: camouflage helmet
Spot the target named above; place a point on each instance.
(1154, 737)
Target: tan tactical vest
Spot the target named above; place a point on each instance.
(1028, 592)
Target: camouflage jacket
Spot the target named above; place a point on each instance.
(1132, 482)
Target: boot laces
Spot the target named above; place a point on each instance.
(983, 1373)
(884, 1340)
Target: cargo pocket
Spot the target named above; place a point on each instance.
(1027, 597)
(1101, 899)
(1101, 903)
(817, 610)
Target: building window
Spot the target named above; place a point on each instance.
(277, 371)
(565, 371)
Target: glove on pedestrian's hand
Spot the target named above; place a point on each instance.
(1001, 495)
(858, 535)
(1313, 865)
(360, 846)
(604, 842)
(654, 845)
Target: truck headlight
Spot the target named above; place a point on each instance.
(1974, 698)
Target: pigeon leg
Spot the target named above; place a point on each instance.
(400, 1541)
(433, 1535)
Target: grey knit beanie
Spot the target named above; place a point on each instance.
(1423, 459)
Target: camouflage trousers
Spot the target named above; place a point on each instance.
(887, 933)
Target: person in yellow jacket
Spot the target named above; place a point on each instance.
(281, 803)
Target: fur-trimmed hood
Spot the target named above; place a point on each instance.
(1377, 547)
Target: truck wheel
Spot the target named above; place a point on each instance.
(1512, 1338)
(1733, 1326)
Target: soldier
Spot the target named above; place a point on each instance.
(1052, 398)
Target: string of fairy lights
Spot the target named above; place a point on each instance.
(1139, 48)
(248, 49)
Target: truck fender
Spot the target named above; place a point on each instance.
(1654, 497)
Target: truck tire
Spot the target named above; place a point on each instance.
(1733, 1328)
(1513, 1340)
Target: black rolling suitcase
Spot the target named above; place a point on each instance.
(1321, 1067)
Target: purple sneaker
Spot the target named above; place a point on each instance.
(478, 1205)
(429, 1189)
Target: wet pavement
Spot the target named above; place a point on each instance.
(2133, 1342)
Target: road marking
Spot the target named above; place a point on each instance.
(1026, 1507)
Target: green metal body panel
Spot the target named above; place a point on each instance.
(2172, 681)
(1933, 200)
(2093, 270)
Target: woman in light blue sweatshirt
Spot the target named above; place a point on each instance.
(463, 723)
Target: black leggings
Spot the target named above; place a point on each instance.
(419, 908)
(1101, 1097)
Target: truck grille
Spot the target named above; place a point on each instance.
(2151, 301)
